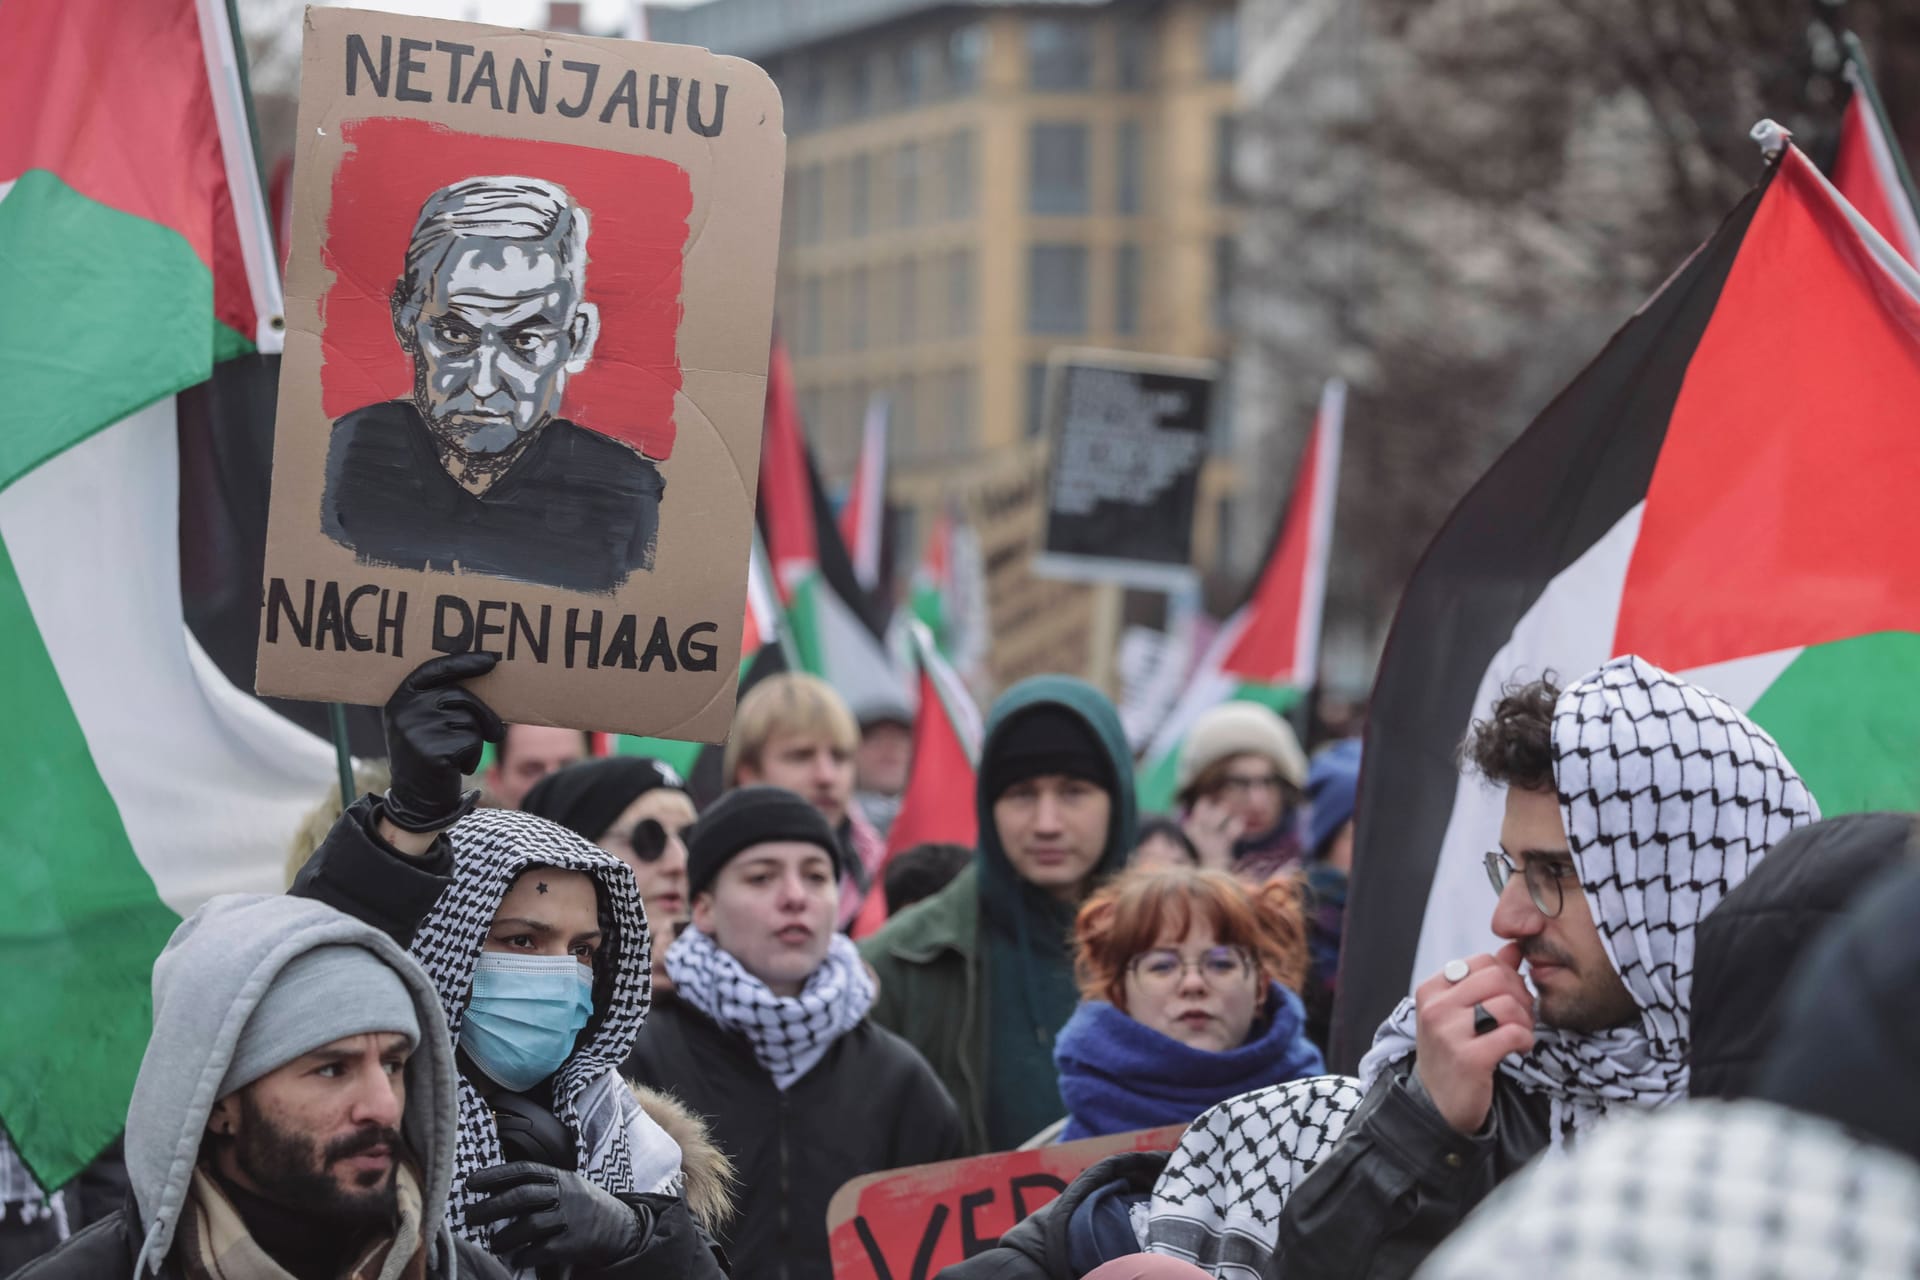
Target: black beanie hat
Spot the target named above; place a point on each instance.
(589, 797)
(746, 817)
(1047, 738)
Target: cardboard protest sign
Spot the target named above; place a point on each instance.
(1129, 436)
(909, 1223)
(529, 303)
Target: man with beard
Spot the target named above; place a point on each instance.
(1635, 803)
(477, 470)
(293, 1115)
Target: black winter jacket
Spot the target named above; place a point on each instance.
(1848, 1040)
(1400, 1180)
(1748, 946)
(1040, 1246)
(872, 1103)
(357, 872)
(108, 1249)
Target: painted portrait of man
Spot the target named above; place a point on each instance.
(476, 470)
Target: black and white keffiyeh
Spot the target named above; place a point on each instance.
(619, 1147)
(1670, 797)
(789, 1034)
(1217, 1203)
(1705, 1190)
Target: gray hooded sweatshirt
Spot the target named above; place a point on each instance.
(206, 984)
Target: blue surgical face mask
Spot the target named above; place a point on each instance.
(524, 1015)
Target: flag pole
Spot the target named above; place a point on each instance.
(337, 721)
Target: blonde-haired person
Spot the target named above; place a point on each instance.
(1240, 779)
(1189, 983)
(794, 731)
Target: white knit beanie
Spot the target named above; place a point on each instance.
(1240, 728)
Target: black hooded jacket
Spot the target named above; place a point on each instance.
(1749, 946)
(1848, 1041)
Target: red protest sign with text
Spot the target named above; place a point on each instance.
(907, 1224)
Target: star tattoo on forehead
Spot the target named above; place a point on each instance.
(540, 886)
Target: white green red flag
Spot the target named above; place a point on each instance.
(1726, 491)
(1269, 650)
(760, 639)
(863, 517)
(827, 627)
(1868, 168)
(137, 780)
(938, 804)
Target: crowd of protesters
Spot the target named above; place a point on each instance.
(571, 1023)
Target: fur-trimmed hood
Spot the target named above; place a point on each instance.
(710, 1179)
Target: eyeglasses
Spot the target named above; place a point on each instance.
(1546, 879)
(1161, 971)
(1244, 786)
(649, 840)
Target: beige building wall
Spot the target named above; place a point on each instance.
(924, 287)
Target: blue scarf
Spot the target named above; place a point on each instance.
(1118, 1075)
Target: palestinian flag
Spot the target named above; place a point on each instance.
(938, 805)
(1868, 168)
(864, 514)
(1269, 650)
(138, 780)
(829, 622)
(1726, 491)
(761, 655)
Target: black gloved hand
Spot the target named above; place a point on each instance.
(435, 733)
(550, 1215)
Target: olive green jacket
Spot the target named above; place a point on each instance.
(934, 979)
(931, 993)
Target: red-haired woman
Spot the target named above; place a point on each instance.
(1188, 984)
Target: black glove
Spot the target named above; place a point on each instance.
(435, 731)
(550, 1215)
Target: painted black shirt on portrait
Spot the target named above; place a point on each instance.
(578, 510)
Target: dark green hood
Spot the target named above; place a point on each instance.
(1026, 949)
(997, 877)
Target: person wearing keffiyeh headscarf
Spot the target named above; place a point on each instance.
(1635, 802)
(538, 946)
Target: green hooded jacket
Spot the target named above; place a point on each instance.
(987, 962)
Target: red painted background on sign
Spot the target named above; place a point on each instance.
(637, 208)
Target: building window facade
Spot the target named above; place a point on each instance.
(1133, 50)
(906, 185)
(1036, 398)
(857, 309)
(1060, 54)
(1223, 44)
(1057, 169)
(1226, 136)
(907, 303)
(1128, 159)
(859, 195)
(959, 175)
(966, 49)
(1126, 289)
(959, 293)
(1056, 288)
(1223, 264)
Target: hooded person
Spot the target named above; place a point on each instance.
(1749, 949)
(294, 1113)
(1635, 802)
(1848, 1040)
(1333, 783)
(979, 977)
(538, 946)
(636, 809)
(769, 1039)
